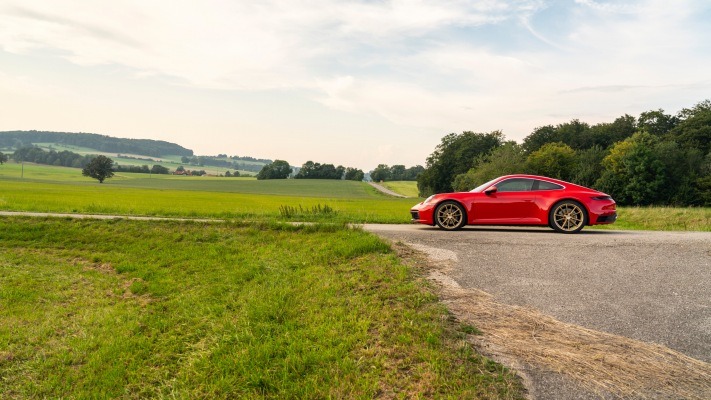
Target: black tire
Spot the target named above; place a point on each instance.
(450, 216)
(568, 216)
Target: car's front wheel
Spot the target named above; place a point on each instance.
(450, 215)
(568, 217)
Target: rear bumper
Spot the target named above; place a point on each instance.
(606, 219)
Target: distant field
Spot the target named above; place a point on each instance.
(64, 190)
(33, 172)
(406, 188)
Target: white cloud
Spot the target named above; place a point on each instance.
(231, 45)
(447, 65)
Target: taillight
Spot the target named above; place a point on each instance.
(602, 198)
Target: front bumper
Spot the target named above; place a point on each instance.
(422, 214)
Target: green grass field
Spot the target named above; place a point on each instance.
(406, 188)
(128, 309)
(56, 189)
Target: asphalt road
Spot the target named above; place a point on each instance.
(650, 286)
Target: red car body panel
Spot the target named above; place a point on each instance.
(530, 207)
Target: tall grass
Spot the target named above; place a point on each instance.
(127, 309)
(662, 219)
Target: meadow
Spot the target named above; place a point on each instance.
(57, 189)
(147, 309)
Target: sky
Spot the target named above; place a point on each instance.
(352, 83)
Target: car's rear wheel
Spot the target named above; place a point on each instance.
(450, 215)
(568, 216)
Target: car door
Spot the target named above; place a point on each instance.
(513, 202)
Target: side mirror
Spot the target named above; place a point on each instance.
(490, 190)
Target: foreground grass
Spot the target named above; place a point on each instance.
(127, 309)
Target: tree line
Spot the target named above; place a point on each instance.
(143, 169)
(384, 173)
(67, 158)
(312, 170)
(61, 159)
(654, 159)
(281, 169)
(102, 143)
(219, 161)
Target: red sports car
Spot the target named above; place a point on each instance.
(519, 200)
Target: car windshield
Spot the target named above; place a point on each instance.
(479, 188)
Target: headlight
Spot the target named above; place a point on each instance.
(427, 200)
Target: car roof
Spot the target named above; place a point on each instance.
(545, 178)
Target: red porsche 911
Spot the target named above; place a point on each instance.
(519, 200)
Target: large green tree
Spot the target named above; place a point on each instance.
(508, 159)
(279, 169)
(455, 155)
(589, 168)
(556, 160)
(694, 128)
(656, 122)
(354, 174)
(381, 173)
(633, 172)
(100, 168)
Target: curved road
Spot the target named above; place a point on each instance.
(650, 286)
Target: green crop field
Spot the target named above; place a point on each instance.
(56, 189)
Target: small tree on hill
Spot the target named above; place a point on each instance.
(3, 157)
(100, 167)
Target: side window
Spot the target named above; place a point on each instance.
(515, 185)
(543, 185)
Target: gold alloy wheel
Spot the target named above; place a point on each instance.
(450, 216)
(568, 217)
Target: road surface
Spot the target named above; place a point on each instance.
(651, 286)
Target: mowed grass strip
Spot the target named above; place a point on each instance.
(130, 309)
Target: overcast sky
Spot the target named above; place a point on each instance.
(356, 83)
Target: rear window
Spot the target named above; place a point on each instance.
(543, 185)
